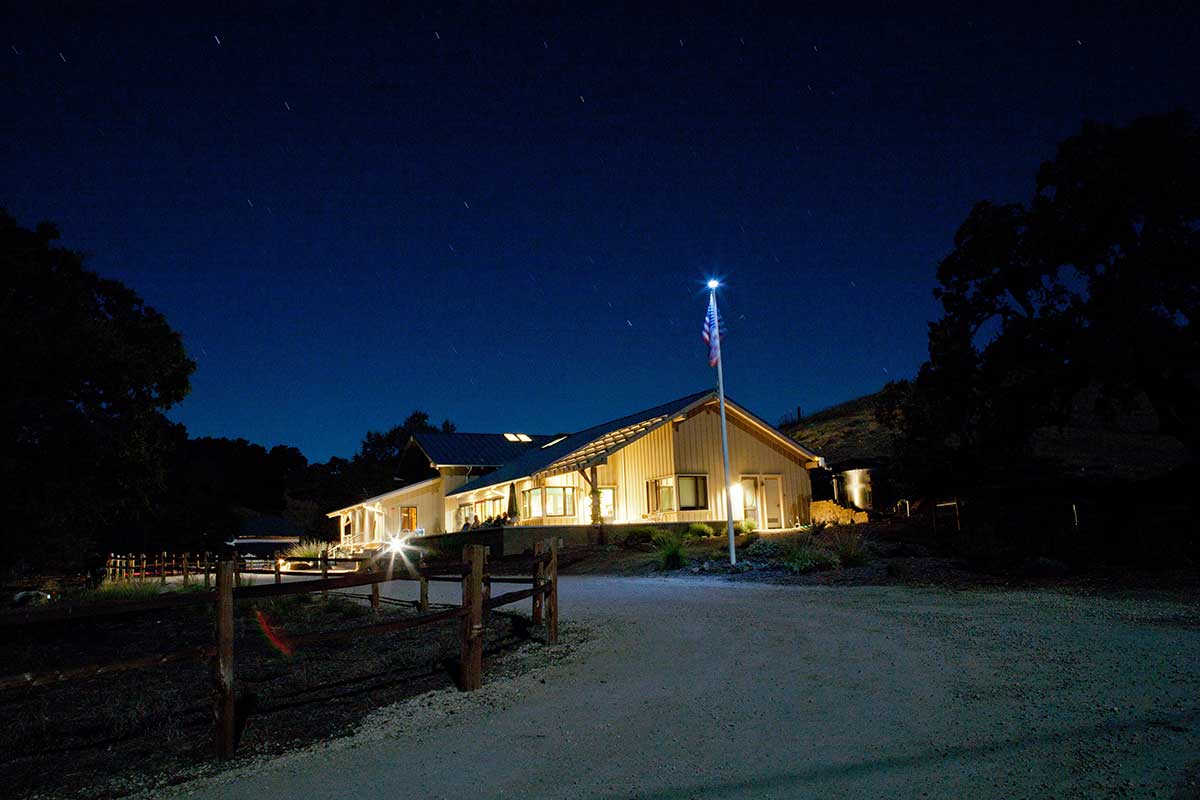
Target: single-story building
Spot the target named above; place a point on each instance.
(662, 464)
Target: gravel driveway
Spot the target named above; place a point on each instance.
(687, 688)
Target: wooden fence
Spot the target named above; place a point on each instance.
(471, 572)
(201, 566)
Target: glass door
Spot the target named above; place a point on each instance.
(750, 499)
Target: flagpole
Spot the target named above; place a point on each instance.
(716, 333)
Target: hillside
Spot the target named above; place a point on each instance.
(847, 432)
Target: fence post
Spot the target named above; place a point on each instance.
(206, 570)
(144, 575)
(539, 576)
(278, 568)
(424, 601)
(108, 567)
(471, 674)
(325, 571)
(185, 568)
(224, 717)
(375, 596)
(162, 567)
(552, 597)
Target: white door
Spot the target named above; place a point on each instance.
(772, 501)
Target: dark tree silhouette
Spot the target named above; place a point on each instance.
(1094, 284)
(89, 369)
(384, 461)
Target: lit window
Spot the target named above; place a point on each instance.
(608, 502)
(408, 518)
(532, 503)
(693, 492)
(512, 437)
(560, 501)
(660, 494)
(523, 437)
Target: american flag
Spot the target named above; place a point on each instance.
(713, 321)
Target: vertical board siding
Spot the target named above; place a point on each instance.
(698, 450)
(428, 502)
(650, 457)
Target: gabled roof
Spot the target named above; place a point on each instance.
(581, 450)
(473, 449)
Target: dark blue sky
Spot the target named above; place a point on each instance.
(505, 218)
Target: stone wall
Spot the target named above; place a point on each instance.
(831, 513)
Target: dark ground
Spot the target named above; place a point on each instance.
(79, 739)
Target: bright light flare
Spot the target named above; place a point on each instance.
(713, 283)
(397, 545)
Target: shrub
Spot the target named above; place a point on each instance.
(810, 557)
(123, 591)
(765, 549)
(642, 536)
(307, 548)
(745, 526)
(699, 530)
(669, 549)
(849, 546)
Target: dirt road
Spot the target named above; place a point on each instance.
(707, 689)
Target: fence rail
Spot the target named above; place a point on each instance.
(471, 572)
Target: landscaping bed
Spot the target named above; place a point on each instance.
(883, 552)
(93, 738)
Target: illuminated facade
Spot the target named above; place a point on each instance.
(662, 464)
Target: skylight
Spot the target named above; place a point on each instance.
(518, 437)
(512, 437)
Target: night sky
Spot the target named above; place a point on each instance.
(506, 218)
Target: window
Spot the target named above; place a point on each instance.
(560, 501)
(660, 494)
(532, 503)
(608, 502)
(489, 508)
(693, 492)
(408, 518)
(465, 512)
(552, 501)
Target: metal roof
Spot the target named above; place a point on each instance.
(474, 449)
(581, 450)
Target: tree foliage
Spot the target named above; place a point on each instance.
(1093, 283)
(89, 370)
(89, 462)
